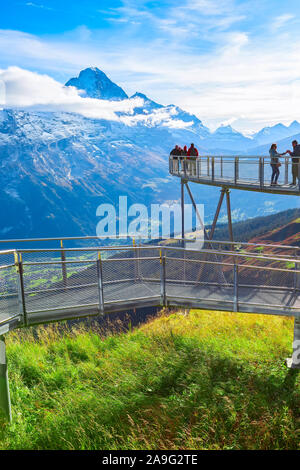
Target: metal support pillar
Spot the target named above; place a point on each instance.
(235, 287)
(100, 284)
(63, 265)
(213, 227)
(204, 230)
(21, 290)
(182, 210)
(229, 215)
(162, 258)
(197, 212)
(5, 404)
(294, 361)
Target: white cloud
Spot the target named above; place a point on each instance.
(33, 91)
(199, 57)
(38, 5)
(281, 20)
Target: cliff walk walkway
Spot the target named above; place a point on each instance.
(51, 284)
(252, 173)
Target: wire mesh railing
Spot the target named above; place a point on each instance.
(252, 171)
(38, 286)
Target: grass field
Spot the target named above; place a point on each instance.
(208, 380)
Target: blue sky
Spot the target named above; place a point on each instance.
(227, 61)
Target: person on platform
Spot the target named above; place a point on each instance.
(295, 154)
(193, 152)
(175, 154)
(275, 164)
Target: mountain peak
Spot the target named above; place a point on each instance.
(294, 124)
(96, 84)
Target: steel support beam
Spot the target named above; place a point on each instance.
(182, 210)
(294, 361)
(197, 212)
(213, 227)
(63, 265)
(229, 215)
(100, 284)
(5, 404)
(163, 296)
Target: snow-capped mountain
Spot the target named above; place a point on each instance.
(57, 167)
(96, 84)
(226, 138)
(277, 132)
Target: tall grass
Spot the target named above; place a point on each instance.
(207, 380)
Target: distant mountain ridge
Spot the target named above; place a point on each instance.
(57, 167)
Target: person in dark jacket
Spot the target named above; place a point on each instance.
(295, 162)
(275, 164)
(175, 154)
(193, 152)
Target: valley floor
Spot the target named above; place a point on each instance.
(206, 380)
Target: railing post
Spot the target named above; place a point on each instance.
(221, 167)
(100, 284)
(63, 264)
(162, 279)
(21, 290)
(184, 166)
(212, 168)
(296, 277)
(182, 212)
(5, 403)
(236, 169)
(136, 262)
(294, 361)
(286, 170)
(208, 172)
(261, 171)
(236, 285)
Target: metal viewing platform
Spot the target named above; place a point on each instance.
(251, 173)
(38, 286)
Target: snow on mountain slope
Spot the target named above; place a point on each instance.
(278, 132)
(283, 145)
(57, 167)
(225, 138)
(96, 84)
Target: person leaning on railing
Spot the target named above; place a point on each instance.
(275, 163)
(295, 161)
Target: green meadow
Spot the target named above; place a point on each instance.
(204, 380)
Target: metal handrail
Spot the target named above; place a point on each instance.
(212, 171)
(156, 247)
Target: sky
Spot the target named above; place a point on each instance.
(227, 61)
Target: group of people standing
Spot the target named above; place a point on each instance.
(191, 152)
(274, 156)
(275, 163)
(186, 165)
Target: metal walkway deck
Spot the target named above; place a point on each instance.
(246, 173)
(40, 286)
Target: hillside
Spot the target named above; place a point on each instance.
(282, 227)
(288, 234)
(204, 381)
